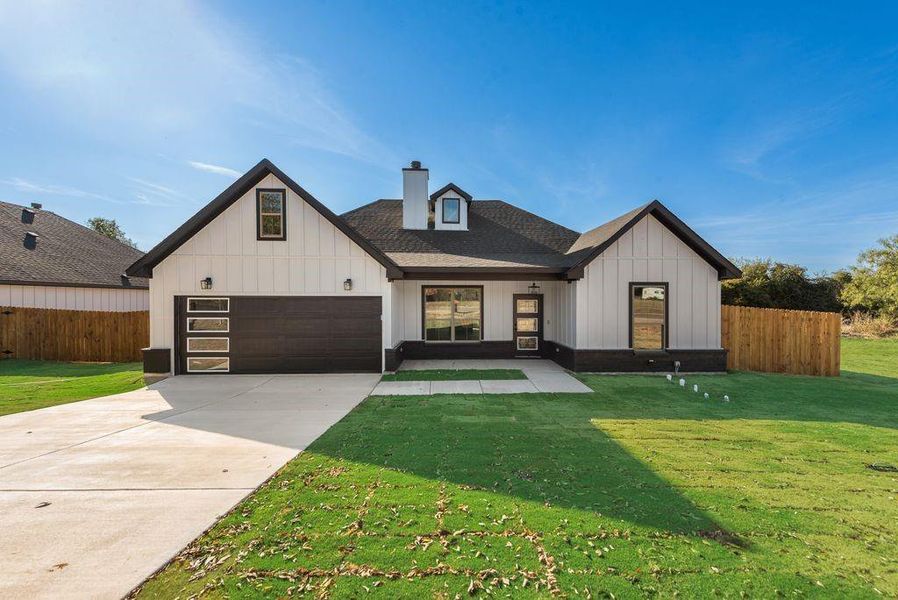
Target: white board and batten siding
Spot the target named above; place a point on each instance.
(74, 298)
(314, 260)
(498, 306)
(648, 252)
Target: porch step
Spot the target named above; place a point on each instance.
(553, 382)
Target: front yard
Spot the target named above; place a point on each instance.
(640, 488)
(31, 384)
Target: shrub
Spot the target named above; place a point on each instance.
(866, 325)
(873, 285)
(768, 284)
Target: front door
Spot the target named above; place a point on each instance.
(528, 324)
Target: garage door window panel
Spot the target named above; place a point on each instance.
(208, 324)
(210, 364)
(208, 305)
(208, 344)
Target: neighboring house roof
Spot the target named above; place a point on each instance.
(144, 266)
(499, 236)
(63, 253)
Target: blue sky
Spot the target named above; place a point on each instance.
(772, 130)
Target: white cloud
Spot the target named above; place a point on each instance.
(169, 72)
(218, 170)
(148, 187)
(29, 187)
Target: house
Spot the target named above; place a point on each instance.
(266, 279)
(47, 261)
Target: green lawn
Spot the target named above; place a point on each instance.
(454, 375)
(877, 357)
(31, 384)
(641, 488)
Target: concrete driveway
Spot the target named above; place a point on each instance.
(97, 495)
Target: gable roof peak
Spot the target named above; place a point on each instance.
(595, 241)
(144, 266)
(454, 188)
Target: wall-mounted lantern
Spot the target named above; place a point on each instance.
(533, 288)
(347, 285)
(206, 283)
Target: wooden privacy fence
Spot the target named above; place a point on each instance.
(781, 341)
(76, 335)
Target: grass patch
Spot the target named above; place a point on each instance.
(640, 488)
(875, 357)
(31, 384)
(454, 375)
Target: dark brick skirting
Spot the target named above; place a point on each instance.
(156, 360)
(418, 350)
(393, 358)
(601, 361)
(628, 361)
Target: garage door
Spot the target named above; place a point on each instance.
(278, 334)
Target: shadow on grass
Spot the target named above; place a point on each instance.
(525, 447)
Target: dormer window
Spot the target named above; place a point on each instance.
(449, 206)
(271, 214)
(452, 210)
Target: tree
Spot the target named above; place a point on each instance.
(768, 284)
(110, 229)
(873, 284)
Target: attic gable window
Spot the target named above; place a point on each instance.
(451, 210)
(271, 214)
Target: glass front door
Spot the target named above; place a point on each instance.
(528, 324)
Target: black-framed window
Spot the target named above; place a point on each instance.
(649, 315)
(452, 314)
(271, 214)
(451, 210)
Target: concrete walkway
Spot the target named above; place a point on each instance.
(96, 495)
(543, 376)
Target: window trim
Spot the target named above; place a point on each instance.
(225, 311)
(666, 340)
(227, 349)
(227, 328)
(283, 214)
(226, 370)
(457, 220)
(424, 314)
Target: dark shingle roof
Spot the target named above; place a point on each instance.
(501, 235)
(65, 253)
(498, 235)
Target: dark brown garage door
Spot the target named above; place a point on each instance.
(278, 334)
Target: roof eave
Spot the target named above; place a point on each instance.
(484, 273)
(73, 284)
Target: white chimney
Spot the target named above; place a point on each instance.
(415, 197)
